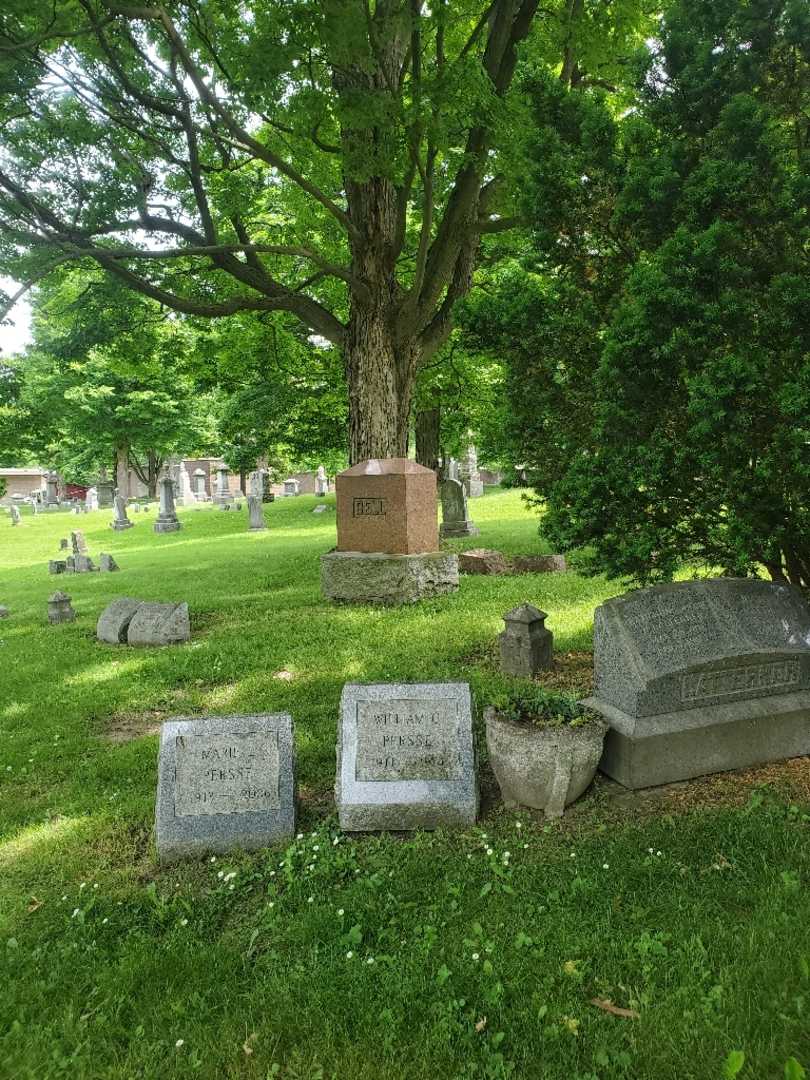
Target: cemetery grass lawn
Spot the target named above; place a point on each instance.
(465, 955)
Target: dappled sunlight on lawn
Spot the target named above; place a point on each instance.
(105, 671)
(27, 841)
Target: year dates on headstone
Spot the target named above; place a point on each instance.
(224, 783)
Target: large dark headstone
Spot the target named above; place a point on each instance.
(702, 676)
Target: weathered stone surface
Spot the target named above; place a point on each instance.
(539, 564)
(166, 520)
(82, 564)
(527, 647)
(470, 476)
(113, 622)
(59, 608)
(320, 509)
(64, 544)
(482, 561)
(223, 490)
(405, 757)
(78, 543)
(224, 783)
(455, 520)
(159, 624)
(120, 520)
(355, 577)
(57, 566)
(702, 676)
(387, 505)
(4, 612)
(292, 486)
(321, 482)
(545, 768)
(107, 563)
(255, 511)
(106, 492)
(15, 515)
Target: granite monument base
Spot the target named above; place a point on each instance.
(119, 526)
(166, 526)
(457, 528)
(373, 578)
(651, 750)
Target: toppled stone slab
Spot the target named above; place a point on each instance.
(539, 564)
(482, 561)
(374, 578)
(113, 623)
(159, 624)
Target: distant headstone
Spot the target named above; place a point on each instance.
(482, 561)
(267, 494)
(405, 757)
(527, 647)
(225, 783)
(51, 489)
(159, 624)
(291, 486)
(470, 475)
(113, 623)
(320, 509)
(701, 676)
(57, 566)
(91, 499)
(81, 564)
(166, 520)
(137, 507)
(120, 520)
(198, 483)
(539, 564)
(455, 520)
(106, 492)
(107, 564)
(78, 543)
(64, 544)
(255, 510)
(452, 469)
(185, 492)
(15, 515)
(59, 609)
(321, 482)
(223, 493)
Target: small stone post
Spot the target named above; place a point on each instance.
(167, 517)
(526, 645)
(59, 609)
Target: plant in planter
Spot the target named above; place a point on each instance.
(544, 748)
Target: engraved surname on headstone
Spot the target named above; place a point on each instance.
(696, 686)
(408, 739)
(228, 773)
(368, 508)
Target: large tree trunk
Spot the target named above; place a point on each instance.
(122, 470)
(154, 466)
(428, 426)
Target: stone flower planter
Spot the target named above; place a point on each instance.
(543, 767)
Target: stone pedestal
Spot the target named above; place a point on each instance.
(527, 647)
(106, 492)
(167, 518)
(223, 492)
(377, 578)
(120, 520)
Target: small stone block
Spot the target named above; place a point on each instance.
(225, 783)
(64, 544)
(482, 561)
(539, 564)
(405, 757)
(159, 624)
(527, 647)
(356, 577)
(4, 612)
(113, 623)
(107, 564)
(57, 566)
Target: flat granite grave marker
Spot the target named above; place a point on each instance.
(224, 783)
(701, 676)
(405, 757)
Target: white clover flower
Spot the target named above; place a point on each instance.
(95, 883)
(506, 854)
(489, 851)
(75, 913)
(349, 954)
(221, 874)
(103, 921)
(336, 841)
(651, 850)
(65, 897)
(476, 956)
(370, 960)
(518, 824)
(83, 886)
(231, 888)
(340, 911)
(230, 876)
(213, 858)
(311, 900)
(525, 846)
(184, 922)
(272, 873)
(605, 866)
(271, 904)
(300, 836)
(179, 1043)
(316, 847)
(573, 854)
(658, 853)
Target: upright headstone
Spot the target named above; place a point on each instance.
(527, 647)
(473, 483)
(51, 489)
(59, 608)
(64, 544)
(199, 485)
(321, 482)
(387, 536)
(267, 494)
(455, 519)
(225, 783)
(405, 757)
(701, 676)
(184, 492)
(223, 494)
(106, 493)
(452, 469)
(78, 543)
(107, 564)
(57, 566)
(256, 514)
(91, 499)
(15, 515)
(167, 518)
(120, 520)
(291, 486)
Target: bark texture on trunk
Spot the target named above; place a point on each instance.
(428, 427)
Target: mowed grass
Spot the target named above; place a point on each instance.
(441, 955)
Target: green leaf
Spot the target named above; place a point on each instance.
(793, 1070)
(733, 1063)
(443, 974)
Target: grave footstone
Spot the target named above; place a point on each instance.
(455, 520)
(57, 566)
(107, 564)
(255, 510)
(166, 520)
(539, 564)
(701, 676)
(113, 623)
(482, 561)
(159, 624)
(59, 608)
(527, 647)
(225, 783)
(292, 486)
(405, 757)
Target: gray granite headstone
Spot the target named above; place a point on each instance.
(225, 783)
(405, 757)
(702, 676)
(4, 612)
(527, 647)
(120, 520)
(15, 515)
(57, 566)
(64, 544)
(255, 510)
(78, 543)
(106, 563)
(113, 623)
(167, 520)
(159, 624)
(455, 520)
